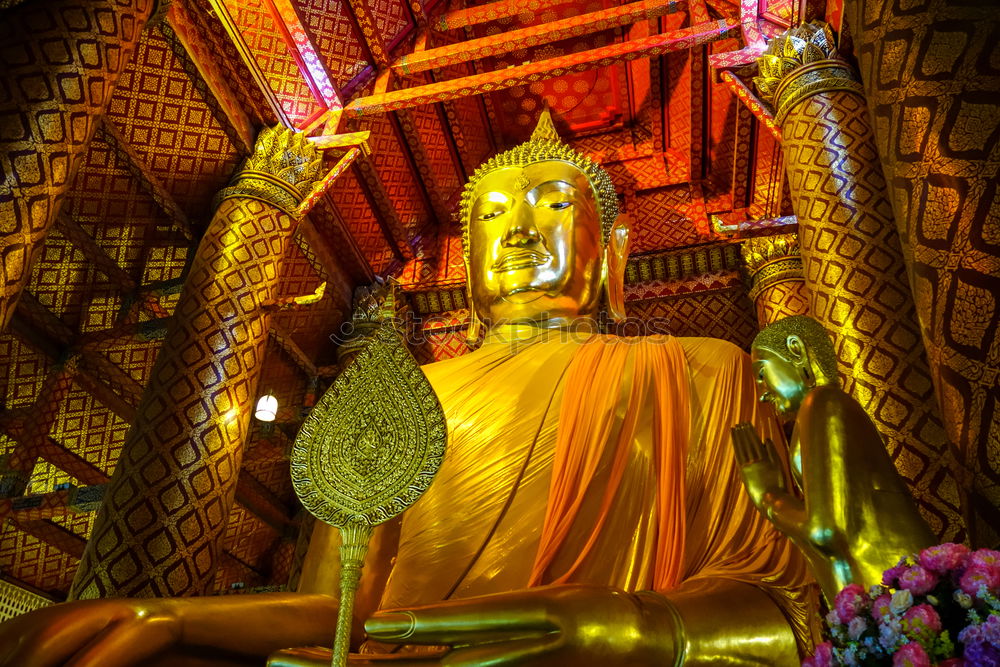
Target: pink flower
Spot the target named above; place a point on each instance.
(983, 558)
(823, 657)
(977, 576)
(890, 576)
(922, 622)
(850, 602)
(911, 655)
(881, 608)
(918, 580)
(944, 557)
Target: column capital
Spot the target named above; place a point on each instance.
(770, 260)
(799, 63)
(282, 169)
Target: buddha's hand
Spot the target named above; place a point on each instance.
(551, 625)
(759, 467)
(89, 633)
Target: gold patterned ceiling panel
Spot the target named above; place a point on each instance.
(85, 427)
(22, 372)
(164, 118)
(264, 35)
(335, 38)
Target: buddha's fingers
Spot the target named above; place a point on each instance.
(465, 622)
(743, 444)
(124, 644)
(771, 453)
(521, 652)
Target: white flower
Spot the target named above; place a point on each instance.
(901, 601)
(856, 628)
(963, 599)
(833, 620)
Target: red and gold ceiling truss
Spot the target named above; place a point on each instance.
(407, 98)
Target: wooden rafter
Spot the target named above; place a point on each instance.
(677, 40)
(494, 11)
(137, 166)
(545, 33)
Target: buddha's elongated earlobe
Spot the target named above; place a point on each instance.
(475, 329)
(613, 268)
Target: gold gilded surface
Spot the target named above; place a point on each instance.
(933, 87)
(284, 165)
(372, 444)
(59, 62)
(854, 271)
(159, 530)
(581, 469)
(846, 507)
(367, 451)
(774, 272)
(545, 144)
(801, 62)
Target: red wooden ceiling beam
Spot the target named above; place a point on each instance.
(545, 33)
(494, 11)
(753, 103)
(677, 40)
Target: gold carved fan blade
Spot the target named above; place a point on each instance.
(366, 452)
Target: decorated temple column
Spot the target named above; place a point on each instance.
(774, 270)
(160, 529)
(933, 88)
(853, 264)
(59, 63)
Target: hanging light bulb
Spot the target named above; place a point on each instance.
(267, 408)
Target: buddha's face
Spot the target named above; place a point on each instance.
(534, 244)
(780, 381)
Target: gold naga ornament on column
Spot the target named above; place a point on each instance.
(367, 451)
(774, 272)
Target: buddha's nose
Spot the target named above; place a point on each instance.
(521, 230)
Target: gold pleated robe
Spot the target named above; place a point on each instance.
(593, 459)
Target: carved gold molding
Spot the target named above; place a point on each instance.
(770, 260)
(283, 167)
(799, 63)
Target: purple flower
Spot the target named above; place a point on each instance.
(881, 608)
(850, 602)
(918, 580)
(890, 635)
(978, 576)
(944, 557)
(911, 655)
(991, 630)
(982, 654)
(823, 657)
(890, 576)
(982, 643)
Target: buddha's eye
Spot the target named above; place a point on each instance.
(489, 215)
(558, 205)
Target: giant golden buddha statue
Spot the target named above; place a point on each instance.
(589, 509)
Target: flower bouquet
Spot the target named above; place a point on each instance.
(940, 607)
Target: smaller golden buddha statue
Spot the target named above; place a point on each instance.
(850, 515)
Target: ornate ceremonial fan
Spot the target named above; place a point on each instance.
(367, 451)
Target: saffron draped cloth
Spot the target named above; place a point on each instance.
(579, 458)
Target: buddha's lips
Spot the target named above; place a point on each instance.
(520, 259)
